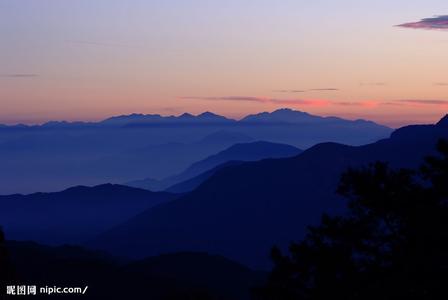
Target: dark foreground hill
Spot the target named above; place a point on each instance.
(243, 210)
(173, 276)
(73, 215)
(239, 152)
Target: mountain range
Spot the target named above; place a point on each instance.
(57, 155)
(284, 115)
(242, 210)
(184, 119)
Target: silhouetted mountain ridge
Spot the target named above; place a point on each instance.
(284, 115)
(443, 121)
(75, 214)
(119, 149)
(156, 118)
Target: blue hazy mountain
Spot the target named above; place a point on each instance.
(73, 215)
(225, 136)
(57, 155)
(56, 160)
(238, 152)
(161, 161)
(241, 211)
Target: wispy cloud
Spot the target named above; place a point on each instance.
(361, 104)
(348, 103)
(392, 103)
(226, 98)
(424, 102)
(365, 104)
(263, 100)
(325, 89)
(19, 75)
(441, 83)
(435, 23)
(290, 91)
(373, 84)
(307, 90)
(310, 102)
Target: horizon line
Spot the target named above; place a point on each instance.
(102, 119)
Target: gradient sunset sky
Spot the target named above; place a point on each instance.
(89, 59)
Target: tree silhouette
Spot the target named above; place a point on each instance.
(392, 244)
(6, 270)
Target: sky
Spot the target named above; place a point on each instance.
(90, 59)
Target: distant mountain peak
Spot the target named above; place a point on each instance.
(156, 118)
(443, 122)
(282, 115)
(208, 114)
(289, 110)
(211, 116)
(186, 115)
(284, 110)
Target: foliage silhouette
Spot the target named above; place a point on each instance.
(392, 244)
(6, 269)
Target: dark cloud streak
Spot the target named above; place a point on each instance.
(348, 103)
(435, 23)
(325, 89)
(290, 91)
(308, 90)
(226, 98)
(426, 102)
(19, 75)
